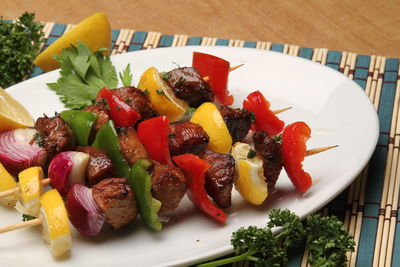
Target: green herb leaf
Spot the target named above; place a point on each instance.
(251, 154)
(160, 92)
(26, 217)
(19, 44)
(126, 76)
(83, 74)
(190, 110)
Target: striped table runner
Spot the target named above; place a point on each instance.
(369, 207)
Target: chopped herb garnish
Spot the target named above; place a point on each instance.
(146, 92)
(26, 217)
(37, 138)
(190, 110)
(172, 135)
(118, 107)
(251, 154)
(166, 76)
(176, 64)
(278, 138)
(180, 81)
(160, 92)
(128, 101)
(252, 117)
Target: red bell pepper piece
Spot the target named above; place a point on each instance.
(194, 169)
(265, 119)
(217, 70)
(153, 134)
(121, 113)
(294, 139)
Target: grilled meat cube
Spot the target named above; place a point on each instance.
(137, 99)
(100, 109)
(271, 154)
(130, 145)
(99, 167)
(219, 177)
(186, 137)
(116, 200)
(56, 135)
(169, 186)
(238, 121)
(188, 85)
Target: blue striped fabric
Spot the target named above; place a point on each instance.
(375, 175)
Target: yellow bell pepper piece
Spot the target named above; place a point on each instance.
(208, 117)
(56, 230)
(30, 183)
(250, 181)
(7, 182)
(161, 95)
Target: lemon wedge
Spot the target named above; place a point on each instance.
(250, 181)
(209, 117)
(7, 182)
(94, 31)
(161, 95)
(12, 114)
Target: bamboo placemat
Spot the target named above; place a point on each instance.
(369, 207)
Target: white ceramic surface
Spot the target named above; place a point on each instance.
(335, 107)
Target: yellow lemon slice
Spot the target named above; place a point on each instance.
(250, 181)
(94, 31)
(208, 117)
(56, 230)
(161, 95)
(7, 182)
(12, 114)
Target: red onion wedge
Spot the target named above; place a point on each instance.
(66, 169)
(18, 151)
(83, 211)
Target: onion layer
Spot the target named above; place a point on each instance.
(66, 169)
(18, 151)
(83, 211)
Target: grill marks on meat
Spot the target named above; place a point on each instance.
(116, 200)
(130, 145)
(168, 186)
(187, 137)
(271, 154)
(188, 85)
(56, 135)
(219, 177)
(99, 167)
(238, 121)
(137, 99)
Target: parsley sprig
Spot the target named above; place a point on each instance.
(84, 73)
(19, 44)
(326, 239)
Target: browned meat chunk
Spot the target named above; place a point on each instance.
(186, 137)
(99, 167)
(169, 186)
(116, 200)
(56, 135)
(238, 121)
(188, 85)
(100, 109)
(219, 177)
(271, 154)
(130, 145)
(137, 99)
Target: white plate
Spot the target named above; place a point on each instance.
(335, 107)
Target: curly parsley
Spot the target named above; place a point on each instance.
(19, 44)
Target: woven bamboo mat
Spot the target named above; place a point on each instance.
(369, 207)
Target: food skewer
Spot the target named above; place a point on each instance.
(207, 78)
(54, 219)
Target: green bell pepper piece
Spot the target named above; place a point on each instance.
(81, 123)
(140, 181)
(107, 140)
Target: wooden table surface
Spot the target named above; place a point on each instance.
(364, 27)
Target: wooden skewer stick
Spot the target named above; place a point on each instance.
(318, 150)
(281, 110)
(17, 189)
(20, 225)
(206, 78)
